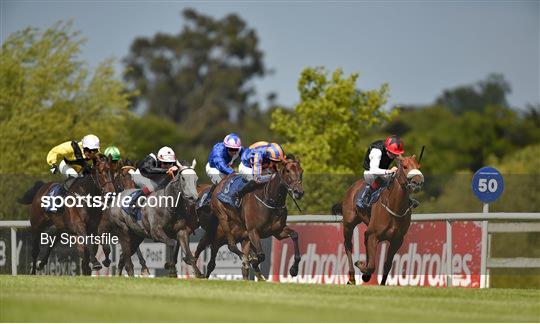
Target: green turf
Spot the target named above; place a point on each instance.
(75, 299)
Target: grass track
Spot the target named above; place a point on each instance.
(79, 299)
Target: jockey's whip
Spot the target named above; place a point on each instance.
(421, 153)
(297, 206)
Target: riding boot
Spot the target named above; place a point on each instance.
(132, 208)
(364, 198)
(247, 188)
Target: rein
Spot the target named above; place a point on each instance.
(404, 186)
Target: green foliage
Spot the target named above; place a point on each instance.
(489, 92)
(199, 78)
(326, 128)
(47, 97)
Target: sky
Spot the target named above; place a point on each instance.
(419, 48)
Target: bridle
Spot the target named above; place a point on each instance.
(281, 183)
(406, 183)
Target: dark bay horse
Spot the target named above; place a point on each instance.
(262, 214)
(387, 220)
(77, 221)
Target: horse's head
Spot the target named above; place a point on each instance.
(291, 173)
(101, 174)
(123, 179)
(409, 174)
(188, 181)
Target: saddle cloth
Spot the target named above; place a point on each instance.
(231, 188)
(56, 190)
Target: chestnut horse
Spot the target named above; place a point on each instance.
(73, 220)
(215, 237)
(387, 220)
(262, 214)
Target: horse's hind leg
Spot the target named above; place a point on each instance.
(392, 249)
(348, 231)
(107, 251)
(246, 248)
(182, 237)
(125, 257)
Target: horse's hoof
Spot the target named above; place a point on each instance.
(366, 277)
(96, 266)
(106, 263)
(293, 271)
(145, 272)
(261, 257)
(261, 278)
(41, 265)
(168, 265)
(173, 274)
(361, 265)
(351, 282)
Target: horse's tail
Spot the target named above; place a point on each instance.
(28, 196)
(337, 209)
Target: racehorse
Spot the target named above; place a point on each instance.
(166, 224)
(262, 214)
(387, 220)
(77, 221)
(122, 181)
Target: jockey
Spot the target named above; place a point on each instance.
(71, 158)
(259, 165)
(113, 153)
(222, 157)
(153, 173)
(377, 161)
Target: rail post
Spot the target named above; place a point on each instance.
(14, 256)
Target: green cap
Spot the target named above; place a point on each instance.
(113, 151)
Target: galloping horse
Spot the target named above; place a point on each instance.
(122, 181)
(166, 224)
(73, 220)
(262, 214)
(387, 220)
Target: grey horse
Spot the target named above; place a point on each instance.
(163, 220)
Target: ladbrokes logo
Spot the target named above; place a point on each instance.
(410, 268)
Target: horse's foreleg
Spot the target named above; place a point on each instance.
(182, 237)
(288, 232)
(392, 249)
(159, 235)
(368, 268)
(35, 250)
(214, 248)
(125, 257)
(142, 261)
(255, 239)
(246, 248)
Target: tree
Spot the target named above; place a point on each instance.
(201, 77)
(327, 129)
(489, 92)
(47, 97)
(328, 125)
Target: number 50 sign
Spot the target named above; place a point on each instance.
(487, 184)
